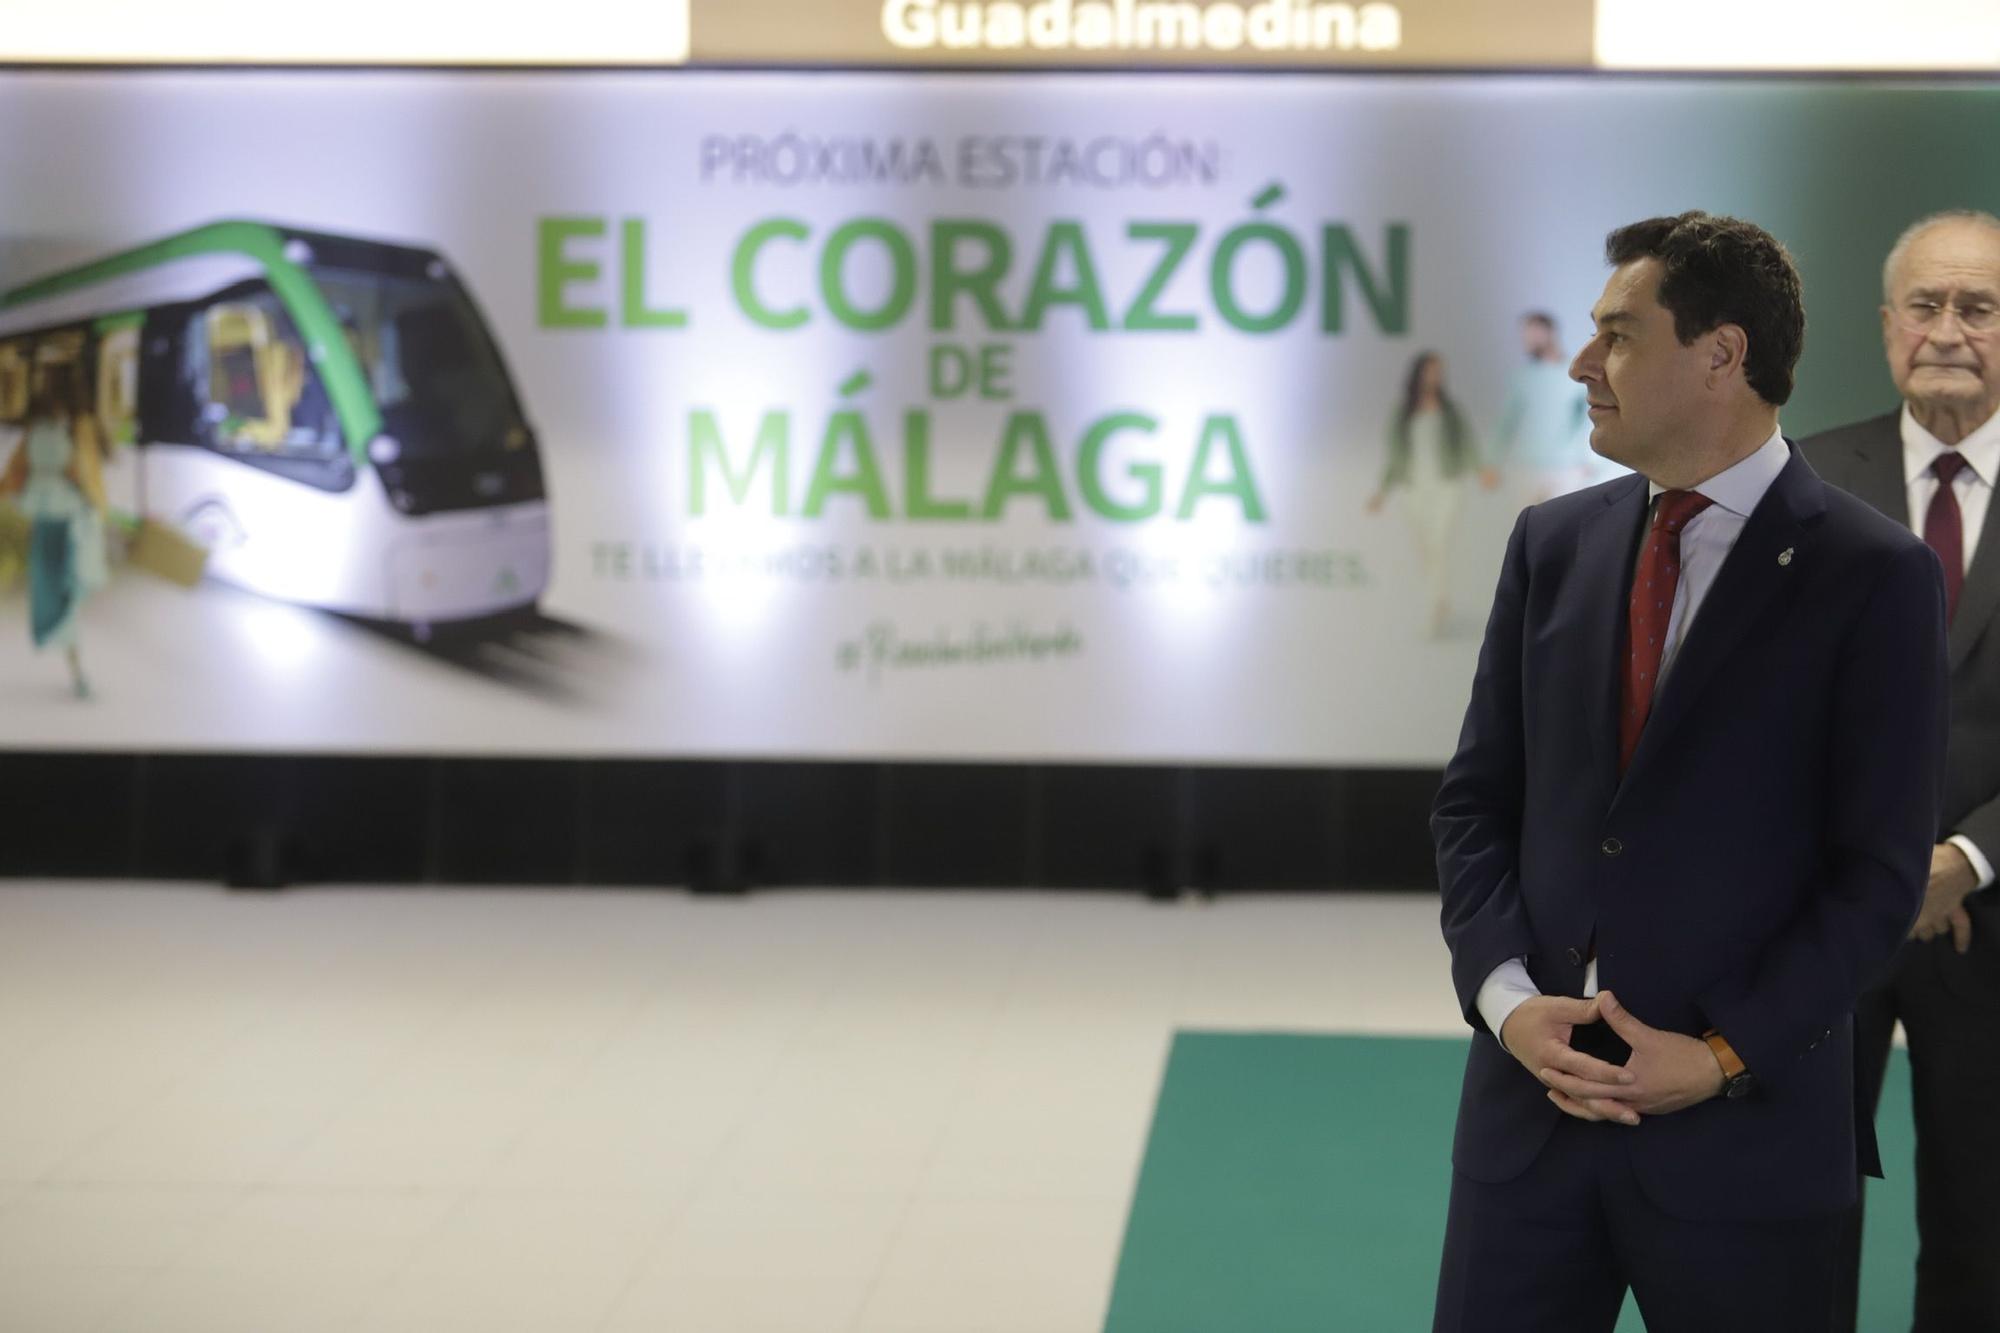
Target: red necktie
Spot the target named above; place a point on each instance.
(1651, 608)
(1944, 530)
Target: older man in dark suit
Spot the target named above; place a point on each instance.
(1932, 465)
(1688, 820)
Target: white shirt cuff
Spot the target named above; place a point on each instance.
(1980, 865)
(1505, 987)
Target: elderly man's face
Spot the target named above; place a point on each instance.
(1949, 274)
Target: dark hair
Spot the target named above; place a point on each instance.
(1454, 420)
(1541, 317)
(1716, 271)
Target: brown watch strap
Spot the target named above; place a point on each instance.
(1725, 1054)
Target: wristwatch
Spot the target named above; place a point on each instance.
(1736, 1079)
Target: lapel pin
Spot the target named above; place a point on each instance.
(1785, 556)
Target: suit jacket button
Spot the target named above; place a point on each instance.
(1611, 847)
(1575, 957)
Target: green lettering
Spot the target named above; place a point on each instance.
(866, 478)
(949, 281)
(556, 270)
(1090, 475)
(902, 273)
(705, 446)
(1065, 238)
(1239, 482)
(632, 309)
(918, 501)
(1388, 300)
(742, 272)
(1026, 429)
(1142, 317)
(1222, 275)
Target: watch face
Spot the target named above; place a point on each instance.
(1737, 1086)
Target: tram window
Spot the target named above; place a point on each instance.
(237, 336)
(433, 370)
(57, 363)
(13, 380)
(118, 384)
(263, 398)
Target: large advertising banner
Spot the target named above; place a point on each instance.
(1066, 417)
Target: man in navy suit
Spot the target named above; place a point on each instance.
(1689, 819)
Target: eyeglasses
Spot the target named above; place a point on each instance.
(1973, 317)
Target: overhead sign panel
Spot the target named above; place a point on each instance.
(1299, 33)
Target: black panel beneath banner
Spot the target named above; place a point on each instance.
(268, 820)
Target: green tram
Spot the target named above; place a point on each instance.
(329, 416)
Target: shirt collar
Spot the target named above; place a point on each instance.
(1740, 486)
(1981, 449)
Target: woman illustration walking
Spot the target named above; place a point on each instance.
(1431, 453)
(56, 477)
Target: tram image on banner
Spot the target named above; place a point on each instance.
(329, 417)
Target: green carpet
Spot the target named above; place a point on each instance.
(1296, 1184)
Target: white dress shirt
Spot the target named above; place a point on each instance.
(1974, 488)
(1706, 542)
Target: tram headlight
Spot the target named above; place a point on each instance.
(385, 449)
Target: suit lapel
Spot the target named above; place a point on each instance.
(1875, 473)
(1877, 477)
(1979, 599)
(1749, 580)
(1606, 548)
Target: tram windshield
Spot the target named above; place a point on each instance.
(432, 367)
(248, 368)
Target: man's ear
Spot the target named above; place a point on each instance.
(1728, 346)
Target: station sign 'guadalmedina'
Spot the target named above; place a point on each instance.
(1302, 33)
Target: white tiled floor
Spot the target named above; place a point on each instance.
(620, 1112)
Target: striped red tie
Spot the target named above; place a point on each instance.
(1652, 606)
(1944, 530)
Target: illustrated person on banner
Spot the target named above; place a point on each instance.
(1931, 465)
(55, 477)
(1688, 820)
(1430, 454)
(1543, 444)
